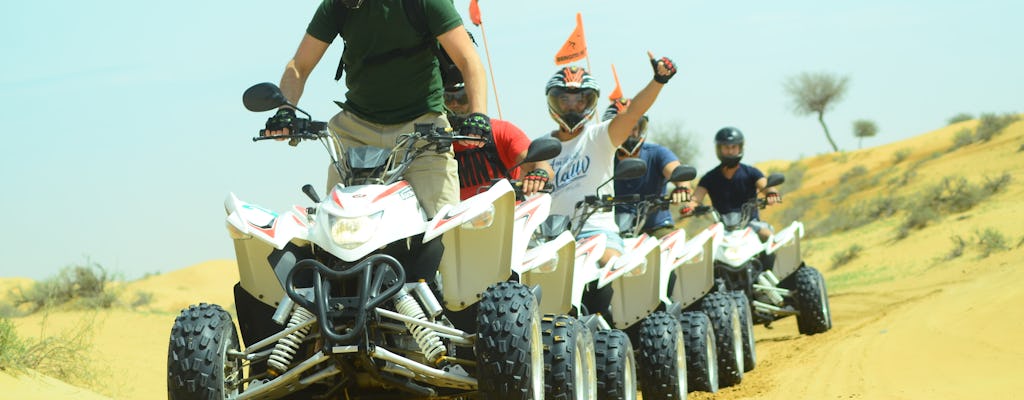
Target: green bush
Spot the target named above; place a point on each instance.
(854, 172)
(959, 244)
(991, 241)
(918, 218)
(963, 137)
(65, 356)
(900, 155)
(992, 125)
(997, 184)
(904, 178)
(141, 299)
(84, 285)
(961, 117)
(844, 257)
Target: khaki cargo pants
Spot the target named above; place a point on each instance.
(434, 177)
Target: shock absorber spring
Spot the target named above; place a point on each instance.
(285, 349)
(767, 281)
(431, 345)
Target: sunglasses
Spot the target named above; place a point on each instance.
(457, 97)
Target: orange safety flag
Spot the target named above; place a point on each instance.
(617, 93)
(474, 13)
(575, 48)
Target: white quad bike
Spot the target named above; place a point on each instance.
(679, 289)
(326, 312)
(585, 357)
(771, 277)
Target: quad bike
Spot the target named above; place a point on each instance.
(771, 277)
(679, 290)
(323, 304)
(585, 357)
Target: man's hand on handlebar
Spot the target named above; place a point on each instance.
(773, 198)
(681, 194)
(280, 124)
(475, 125)
(534, 181)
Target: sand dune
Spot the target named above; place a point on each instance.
(906, 325)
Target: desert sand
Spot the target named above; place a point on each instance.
(907, 324)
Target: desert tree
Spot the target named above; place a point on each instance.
(815, 93)
(863, 128)
(671, 135)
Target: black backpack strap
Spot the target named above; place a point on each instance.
(416, 13)
(342, 15)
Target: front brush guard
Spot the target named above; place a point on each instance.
(373, 273)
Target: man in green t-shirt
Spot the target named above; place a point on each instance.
(393, 83)
(400, 86)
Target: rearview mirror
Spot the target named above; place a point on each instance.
(630, 168)
(775, 179)
(264, 96)
(543, 148)
(683, 173)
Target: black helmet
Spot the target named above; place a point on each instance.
(456, 94)
(729, 135)
(572, 85)
(631, 146)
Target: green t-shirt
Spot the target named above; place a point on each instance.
(397, 90)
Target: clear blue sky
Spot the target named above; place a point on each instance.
(124, 128)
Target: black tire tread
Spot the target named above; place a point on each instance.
(195, 365)
(747, 324)
(612, 348)
(696, 329)
(503, 348)
(562, 335)
(807, 280)
(657, 370)
(719, 307)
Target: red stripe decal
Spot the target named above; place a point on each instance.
(394, 188)
(268, 231)
(336, 198)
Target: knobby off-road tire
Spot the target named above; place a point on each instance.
(661, 370)
(197, 362)
(569, 371)
(811, 299)
(508, 347)
(616, 366)
(747, 325)
(725, 320)
(701, 353)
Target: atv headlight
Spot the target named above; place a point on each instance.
(352, 232)
(482, 221)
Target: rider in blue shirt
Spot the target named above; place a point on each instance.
(660, 164)
(732, 183)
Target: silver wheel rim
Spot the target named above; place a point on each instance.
(680, 362)
(536, 357)
(737, 338)
(232, 372)
(712, 358)
(579, 383)
(823, 300)
(630, 377)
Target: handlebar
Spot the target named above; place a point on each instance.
(301, 129)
